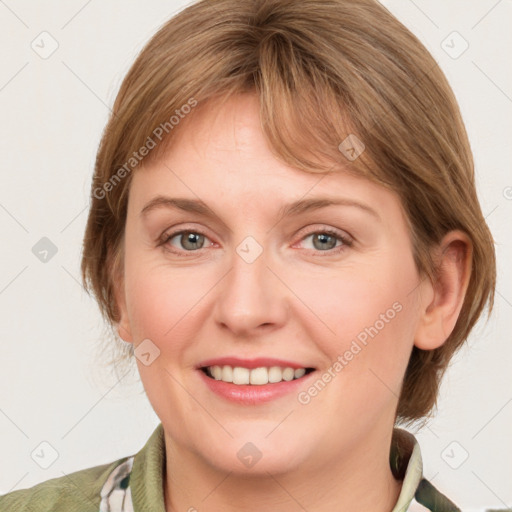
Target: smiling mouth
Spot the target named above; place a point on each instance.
(256, 376)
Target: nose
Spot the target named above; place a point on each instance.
(251, 299)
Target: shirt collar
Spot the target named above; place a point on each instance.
(407, 465)
(147, 478)
(147, 474)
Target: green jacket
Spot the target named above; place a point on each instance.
(136, 483)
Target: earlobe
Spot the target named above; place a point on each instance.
(124, 333)
(123, 325)
(115, 262)
(440, 314)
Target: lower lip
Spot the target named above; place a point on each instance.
(253, 394)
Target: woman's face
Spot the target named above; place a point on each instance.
(253, 278)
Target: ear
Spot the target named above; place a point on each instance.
(440, 311)
(123, 324)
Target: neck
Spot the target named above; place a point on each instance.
(360, 479)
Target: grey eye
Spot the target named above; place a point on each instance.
(189, 240)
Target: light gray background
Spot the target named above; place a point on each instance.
(53, 111)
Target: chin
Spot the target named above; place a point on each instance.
(242, 456)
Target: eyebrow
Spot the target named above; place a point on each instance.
(288, 210)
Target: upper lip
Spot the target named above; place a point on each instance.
(251, 363)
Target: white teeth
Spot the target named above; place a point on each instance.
(227, 374)
(288, 374)
(256, 376)
(241, 375)
(275, 374)
(259, 376)
(216, 372)
(299, 372)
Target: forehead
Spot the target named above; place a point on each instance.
(220, 155)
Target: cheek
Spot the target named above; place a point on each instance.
(365, 314)
(164, 303)
(364, 323)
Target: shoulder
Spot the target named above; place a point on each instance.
(76, 492)
(431, 498)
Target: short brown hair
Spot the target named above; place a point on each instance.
(322, 70)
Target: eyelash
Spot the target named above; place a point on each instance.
(346, 242)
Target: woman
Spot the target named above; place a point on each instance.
(285, 233)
